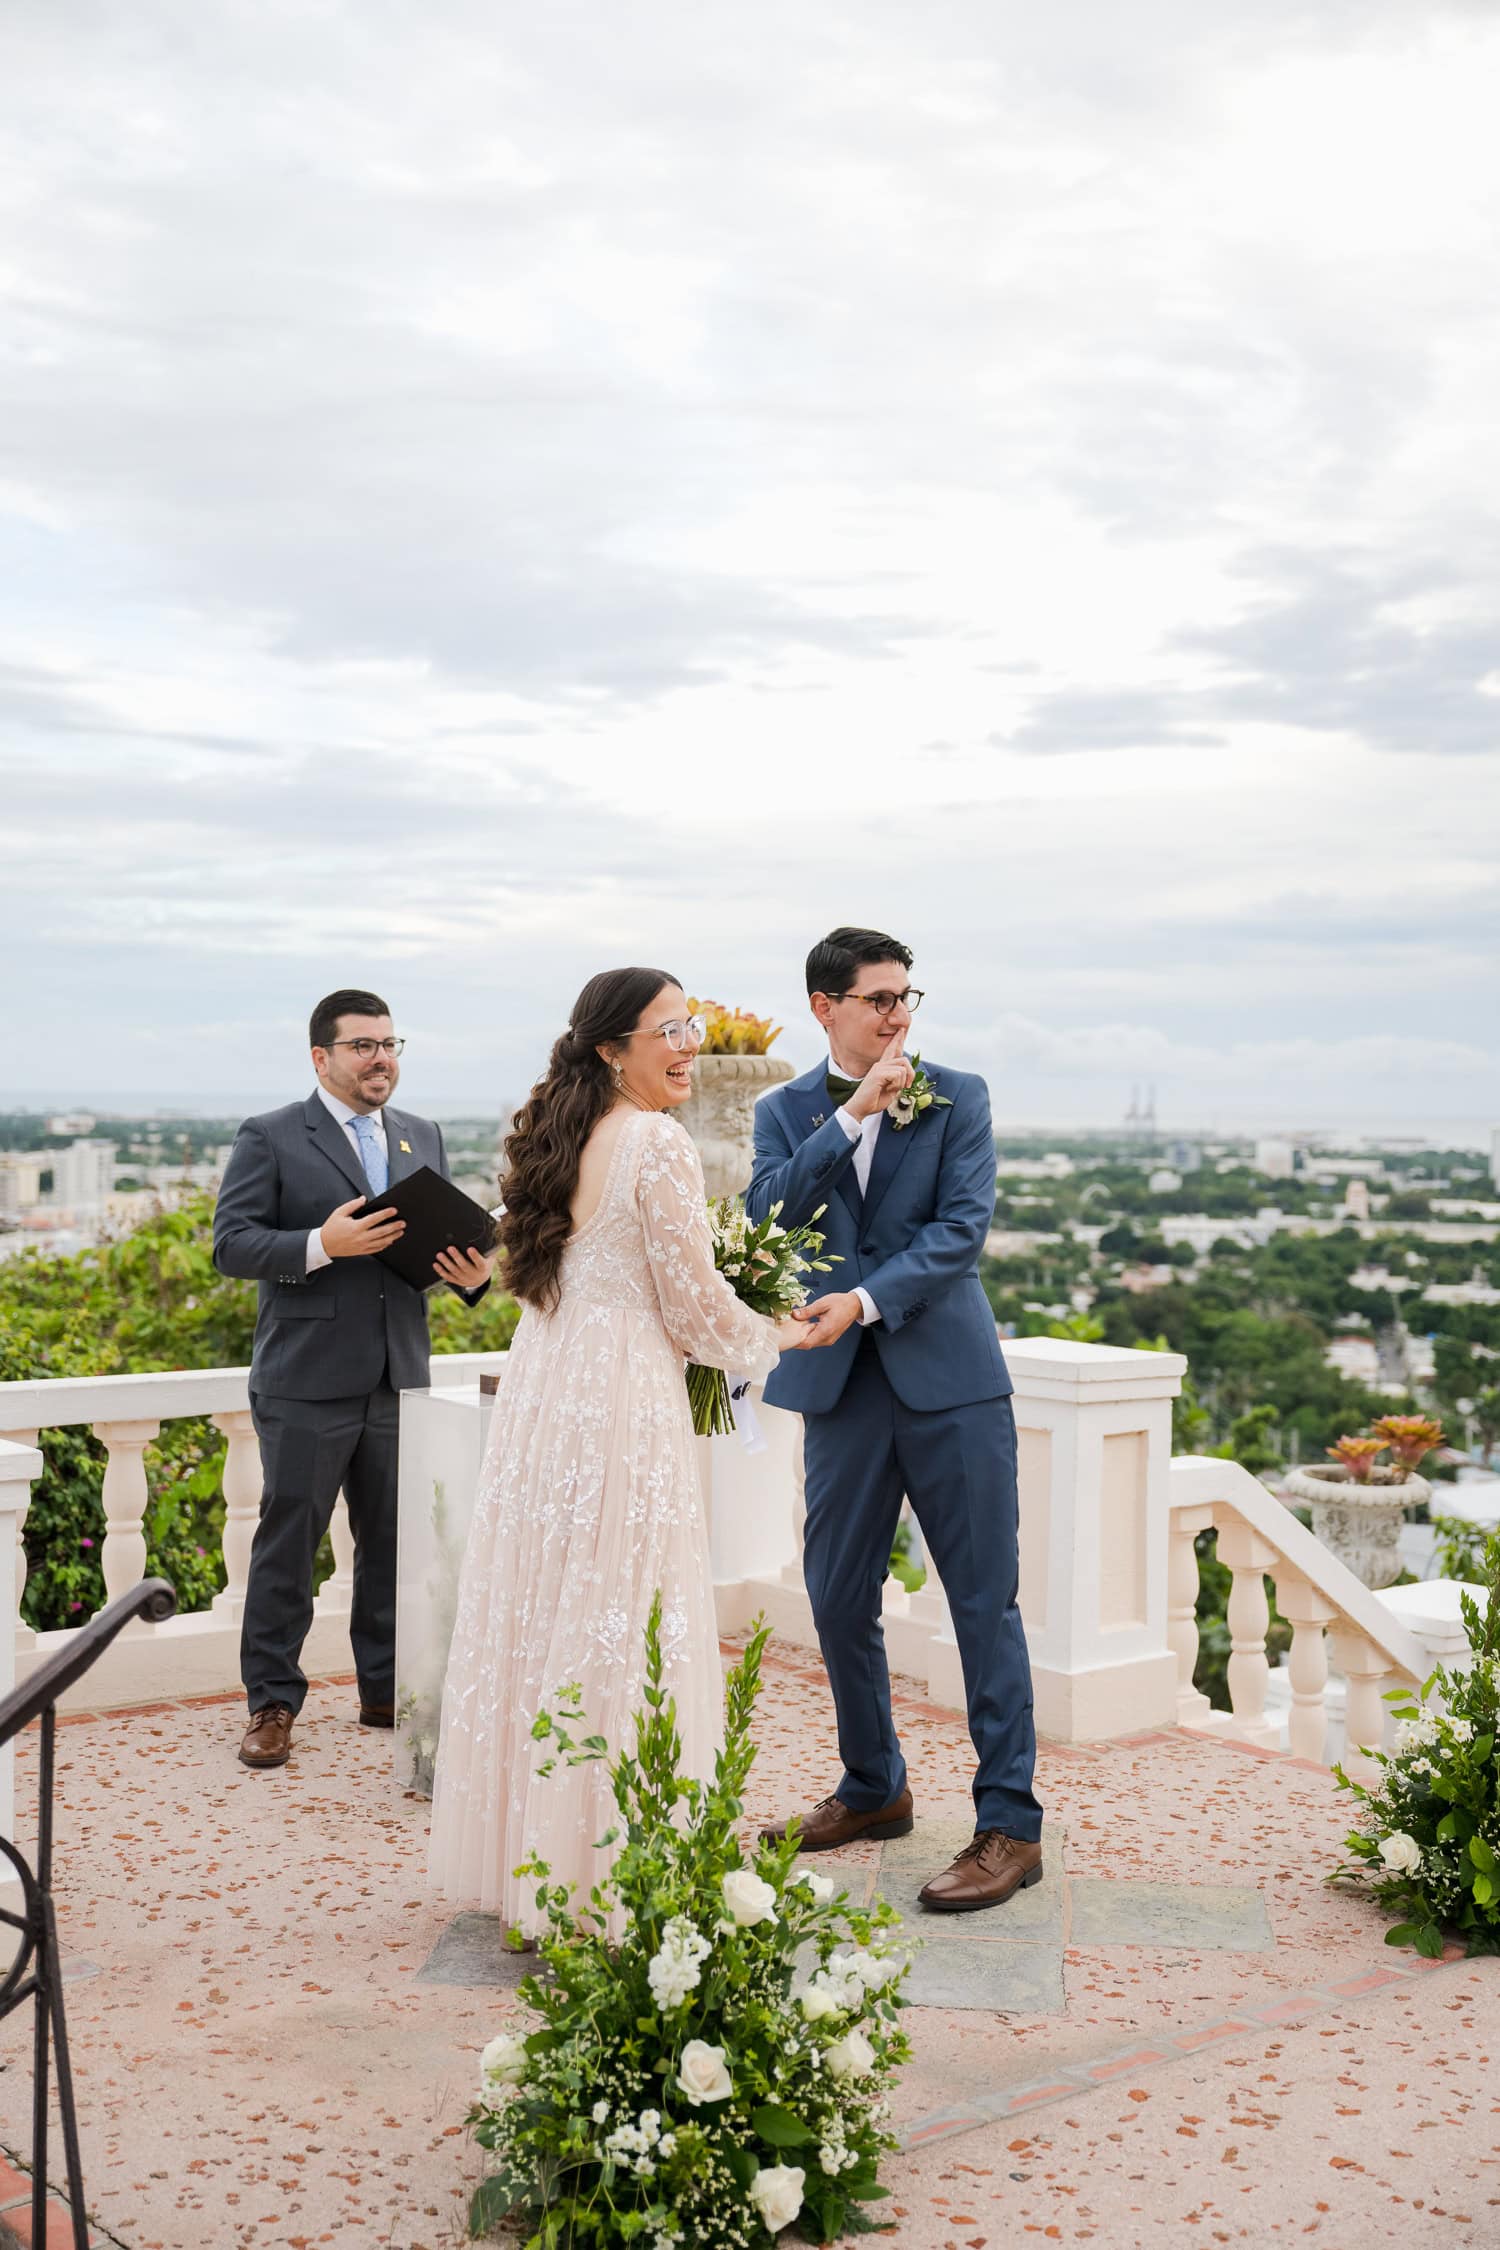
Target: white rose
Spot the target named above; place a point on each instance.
(601, 2111)
(875, 1970)
(776, 2193)
(748, 1899)
(821, 1886)
(852, 2056)
(503, 2062)
(702, 2075)
(1401, 1853)
(818, 2002)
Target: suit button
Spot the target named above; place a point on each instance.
(867, 1249)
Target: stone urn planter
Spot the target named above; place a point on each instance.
(721, 1118)
(1360, 1523)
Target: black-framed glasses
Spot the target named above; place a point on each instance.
(365, 1048)
(677, 1033)
(884, 1002)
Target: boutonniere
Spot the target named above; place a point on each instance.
(920, 1094)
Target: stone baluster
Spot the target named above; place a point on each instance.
(1308, 1613)
(336, 1595)
(1248, 1557)
(124, 1557)
(20, 1466)
(1193, 1706)
(25, 1637)
(1369, 1673)
(242, 1492)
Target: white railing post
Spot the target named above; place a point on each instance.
(25, 1635)
(242, 1491)
(1308, 1614)
(1248, 1558)
(1193, 1706)
(124, 1558)
(1094, 1428)
(1369, 1673)
(20, 1465)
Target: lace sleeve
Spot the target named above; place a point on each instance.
(699, 1310)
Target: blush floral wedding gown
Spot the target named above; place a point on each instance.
(588, 1502)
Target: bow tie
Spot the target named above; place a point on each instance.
(839, 1089)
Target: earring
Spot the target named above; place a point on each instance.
(617, 1073)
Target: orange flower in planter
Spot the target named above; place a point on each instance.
(1409, 1436)
(1357, 1455)
(733, 1031)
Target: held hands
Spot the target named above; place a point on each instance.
(344, 1236)
(882, 1082)
(826, 1318)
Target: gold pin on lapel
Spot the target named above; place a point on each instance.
(405, 1147)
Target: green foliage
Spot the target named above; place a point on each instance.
(591, 2117)
(1428, 1840)
(151, 1301)
(1459, 1549)
(1251, 1442)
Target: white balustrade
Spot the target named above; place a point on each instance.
(197, 1653)
(1193, 1706)
(20, 1466)
(1319, 1596)
(242, 1490)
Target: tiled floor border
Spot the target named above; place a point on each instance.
(15, 2205)
(1072, 2080)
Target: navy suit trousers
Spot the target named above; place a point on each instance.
(958, 1468)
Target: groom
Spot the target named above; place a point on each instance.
(906, 1392)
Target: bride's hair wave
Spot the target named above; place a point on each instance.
(548, 1132)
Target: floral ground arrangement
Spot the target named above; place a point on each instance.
(1428, 1843)
(722, 2073)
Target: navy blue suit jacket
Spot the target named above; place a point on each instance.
(912, 1240)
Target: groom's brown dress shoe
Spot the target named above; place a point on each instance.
(377, 1714)
(986, 1873)
(268, 1738)
(832, 1823)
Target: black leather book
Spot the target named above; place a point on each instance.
(438, 1216)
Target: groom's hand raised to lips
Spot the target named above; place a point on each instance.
(827, 1318)
(889, 1075)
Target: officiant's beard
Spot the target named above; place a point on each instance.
(364, 1087)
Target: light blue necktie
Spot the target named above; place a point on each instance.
(371, 1154)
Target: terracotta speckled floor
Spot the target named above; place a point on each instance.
(258, 2062)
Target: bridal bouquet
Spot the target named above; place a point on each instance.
(1428, 1843)
(764, 1266)
(688, 2087)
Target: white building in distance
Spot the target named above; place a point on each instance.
(1277, 1159)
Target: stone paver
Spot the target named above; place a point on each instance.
(1205, 1916)
(279, 2045)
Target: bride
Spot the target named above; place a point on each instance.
(589, 1497)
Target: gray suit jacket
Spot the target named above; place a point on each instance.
(337, 1332)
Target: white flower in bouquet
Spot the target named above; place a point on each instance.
(1417, 1734)
(1401, 1853)
(748, 1899)
(776, 2192)
(503, 2062)
(818, 2003)
(674, 1970)
(702, 2074)
(852, 2056)
(821, 1886)
(874, 1970)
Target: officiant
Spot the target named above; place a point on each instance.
(338, 1337)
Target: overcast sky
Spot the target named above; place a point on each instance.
(488, 493)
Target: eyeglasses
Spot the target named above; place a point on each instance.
(884, 1002)
(365, 1048)
(677, 1034)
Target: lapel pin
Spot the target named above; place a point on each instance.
(819, 1119)
(405, 1147)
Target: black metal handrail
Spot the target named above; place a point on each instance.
(38, 1951)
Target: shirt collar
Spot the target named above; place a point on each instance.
(342, 1114)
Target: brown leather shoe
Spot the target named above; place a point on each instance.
(268, 1738)
(832, 1823)
(377, 1714)
(986, 1873)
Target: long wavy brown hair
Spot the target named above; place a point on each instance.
(548, 1132)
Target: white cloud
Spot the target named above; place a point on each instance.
(524, 492)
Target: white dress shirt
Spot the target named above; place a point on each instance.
(864, 1131)
(342, 1114)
